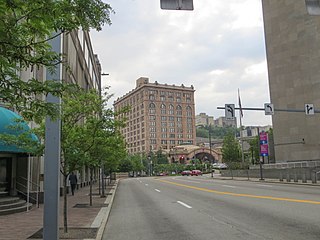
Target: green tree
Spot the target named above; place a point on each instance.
(89, 135)
(125, 165)
(254, 149)
(216, 132)
(161, 158)
(26, 28)
(231, 149)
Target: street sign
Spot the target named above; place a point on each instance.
(309, 109)
(264, 148)
(268, 109)
(229, 111)
(176, 4)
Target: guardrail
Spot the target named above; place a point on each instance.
(24, 190)
(285, 165)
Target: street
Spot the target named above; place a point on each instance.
(202, 208)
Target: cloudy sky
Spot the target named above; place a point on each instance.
(218, 48)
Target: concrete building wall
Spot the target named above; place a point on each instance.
(204, 120)
(292, 43)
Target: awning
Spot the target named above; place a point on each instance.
(12, 124)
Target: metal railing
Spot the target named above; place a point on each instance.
(25, 191)
(286, 165)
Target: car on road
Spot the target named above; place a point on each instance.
(185, 173)
(220, 166)
(196, 173)
(162, 174)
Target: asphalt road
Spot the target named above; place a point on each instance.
(201, 208)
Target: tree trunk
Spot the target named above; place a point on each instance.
(91, 178)
(65, 204)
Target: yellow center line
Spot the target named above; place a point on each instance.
(242, 194)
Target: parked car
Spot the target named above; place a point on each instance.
(220, 165)
(162, 174)
(196, 173)
(186, 173)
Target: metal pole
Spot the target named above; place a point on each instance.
(28, 183)
(261, 172)
(52, 158)
(210, 150)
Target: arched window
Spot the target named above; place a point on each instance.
(163, 109)
(171, 109)
(189, 111)
(152, 108)
(179, 110)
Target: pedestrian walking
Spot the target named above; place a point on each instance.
(73, 182)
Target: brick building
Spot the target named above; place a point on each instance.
(161, 116)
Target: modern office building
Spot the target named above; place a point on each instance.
(161, 116)
(17, 167)
(292, 40)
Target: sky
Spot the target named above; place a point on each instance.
(218, 48)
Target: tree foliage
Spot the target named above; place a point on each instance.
(26, 27)
(216, 132)
(231, 149)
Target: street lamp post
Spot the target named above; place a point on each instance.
(212, 160)
(102, 165)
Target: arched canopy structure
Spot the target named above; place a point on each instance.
(13, 125)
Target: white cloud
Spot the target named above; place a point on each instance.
(217, 48)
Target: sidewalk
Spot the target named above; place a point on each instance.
(84, 221)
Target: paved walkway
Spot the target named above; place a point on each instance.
(23, 225)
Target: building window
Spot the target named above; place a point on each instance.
(189, 111)
(179, 110)
(152, 123)
(163, 129)
(171, 124)
(172, 142)
(153, 141)
(171, 118)
(163, 141)
(163, 118)
(162, 98)
(189, 120)
(171, 130)
(163, 135)
(179, 119)
(152, 117)
(163, 109)
(163, 124)
(152, 129)
(172, 135)
(178, 99)
(152, 135)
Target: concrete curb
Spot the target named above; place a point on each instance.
(102, 218)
